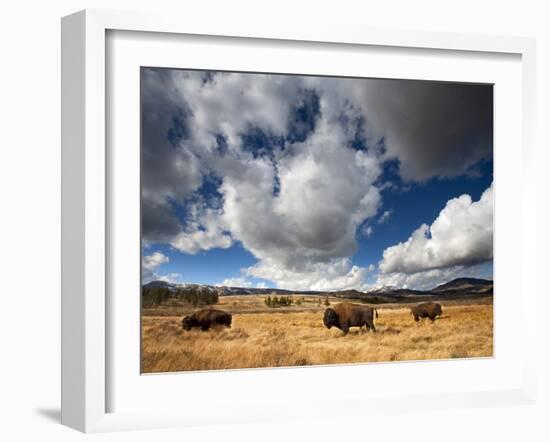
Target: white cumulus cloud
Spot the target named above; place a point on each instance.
(338, 274)
(462, 235)
(235, 282)
(384, 217)
(326, 191)
(204, 232)
(150, 263)
(173, 277)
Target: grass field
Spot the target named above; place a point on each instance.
(295, 336)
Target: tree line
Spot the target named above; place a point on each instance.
(153, 296)
(278, 301)
(284, 301)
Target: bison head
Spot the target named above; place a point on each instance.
(330, 318)
(188, 322)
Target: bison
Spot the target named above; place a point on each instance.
(346, 315)
(426, 310)
(206, 318)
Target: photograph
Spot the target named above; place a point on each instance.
(292, 220)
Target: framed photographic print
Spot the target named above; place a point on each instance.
(278, 207)
(256, 212)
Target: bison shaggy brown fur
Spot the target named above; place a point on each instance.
(206, 318)
(346, 315)
(426, 310)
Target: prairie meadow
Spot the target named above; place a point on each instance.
(263, 336)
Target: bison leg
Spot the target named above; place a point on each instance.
(416, 318)
(432, 318)
(345, 329)
(373, 328)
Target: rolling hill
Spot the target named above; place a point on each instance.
(460, 288)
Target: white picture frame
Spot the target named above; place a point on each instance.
(86, 202)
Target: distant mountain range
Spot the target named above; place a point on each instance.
(460, 288)
(224, 290)
(464, 284)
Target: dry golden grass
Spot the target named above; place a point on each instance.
(296, 336)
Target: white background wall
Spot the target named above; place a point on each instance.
(30, 214)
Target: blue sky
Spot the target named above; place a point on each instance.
(314, 183)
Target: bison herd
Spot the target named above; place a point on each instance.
(342, 316)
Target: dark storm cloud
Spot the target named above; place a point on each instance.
(434, 129)
(158, 222)
(169, 172)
